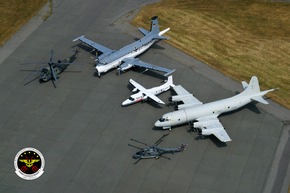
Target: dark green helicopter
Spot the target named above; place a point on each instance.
(51, 71)
(153, 151)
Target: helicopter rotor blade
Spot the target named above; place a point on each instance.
(71, 71)
(139, 142)
(165, 157)
(160, 139)
(33, 71)
(43, 63)
(30, 81)
(53, 83)
(64, 63)
(137, 161)
(32, 75)
(134, 146)
(51, 56)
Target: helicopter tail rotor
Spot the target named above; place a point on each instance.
(182, 147)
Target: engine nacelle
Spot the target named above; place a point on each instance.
(185, 106)
(135, 90)
(125, 66)
(207, 131)
(179, 97)
(199, 125)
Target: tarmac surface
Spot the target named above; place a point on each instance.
(83, 132)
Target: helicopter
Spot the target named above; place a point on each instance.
(153, 151)
(51, 71)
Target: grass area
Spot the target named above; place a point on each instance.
(240, 38)
(14, 14)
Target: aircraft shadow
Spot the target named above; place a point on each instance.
(86, 48)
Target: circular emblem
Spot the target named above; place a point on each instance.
(29, 163)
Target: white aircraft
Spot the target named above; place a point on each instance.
(124, 58)
(144, 94)
(206, 115)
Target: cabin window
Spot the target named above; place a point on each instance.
(131, 99)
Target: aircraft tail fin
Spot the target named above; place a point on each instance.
(253, 88)
(154, 29)
(154, 25)
(170, 81)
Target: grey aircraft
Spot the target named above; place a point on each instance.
(51, 71)
(206, 115)
(124, 58)
(153, 151)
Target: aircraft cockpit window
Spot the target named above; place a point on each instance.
(131, 99)
(162, 119)
(44, 71)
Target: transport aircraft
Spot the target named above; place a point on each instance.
(146, 94)
(124, 58)
(206, 115)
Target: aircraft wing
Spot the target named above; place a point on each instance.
(212, 125)
(145, 92)
(95, 45)
(188, 98)
(139, 63)
(137, 85)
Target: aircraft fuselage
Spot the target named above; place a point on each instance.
(114, 59)
(137, 97)
(213, 108)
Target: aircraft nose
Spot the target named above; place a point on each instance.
(135, 156)
(125, 103)
(157, 124)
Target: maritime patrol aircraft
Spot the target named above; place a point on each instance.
(206, 115)
(124, 58)
(145, 94)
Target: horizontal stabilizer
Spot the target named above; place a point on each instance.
(245, 84)
(169, 73)
(143, 31)
(161, 37)
(260, 100)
